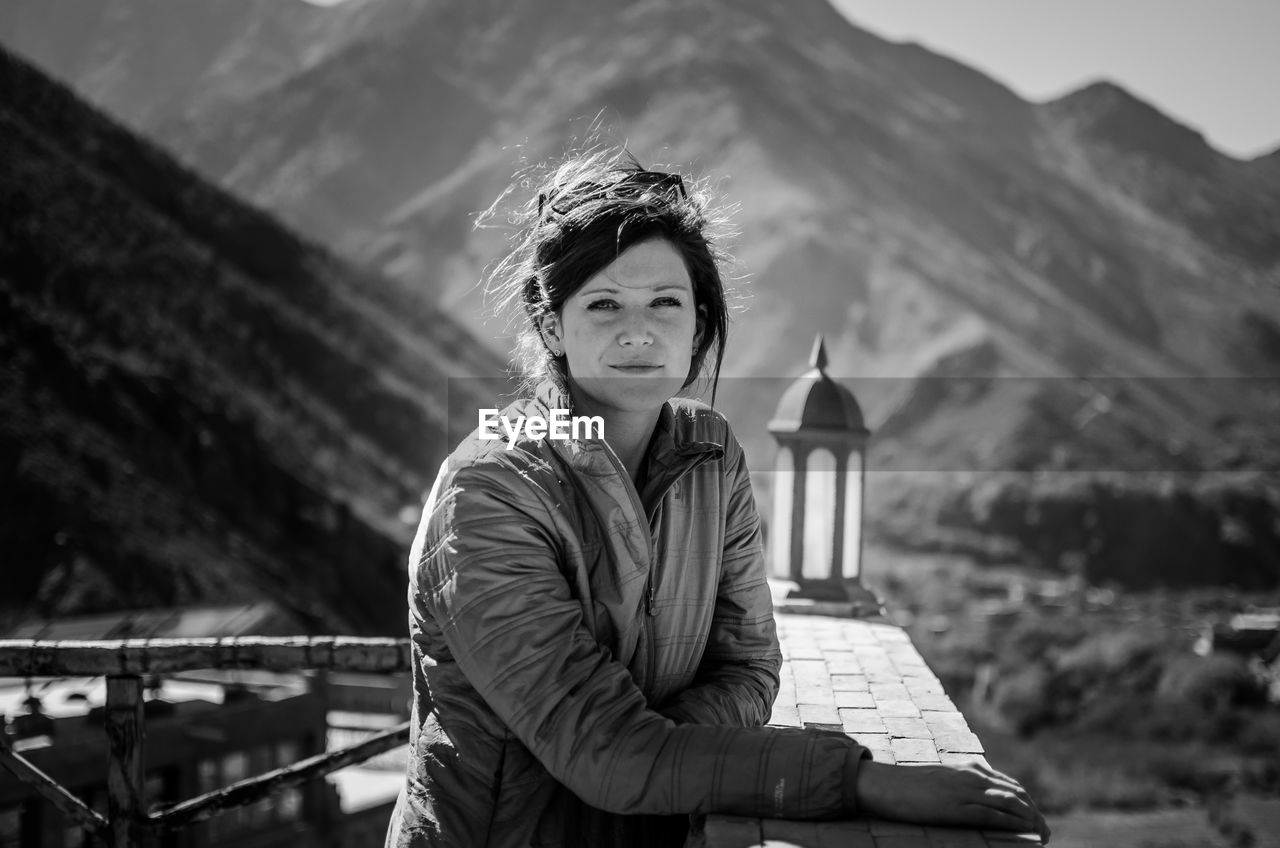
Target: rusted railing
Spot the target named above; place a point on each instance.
(123, 663)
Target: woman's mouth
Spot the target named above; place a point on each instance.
(636, 369)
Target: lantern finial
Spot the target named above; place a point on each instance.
(818, 359)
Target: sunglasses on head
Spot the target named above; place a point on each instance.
(635, 184)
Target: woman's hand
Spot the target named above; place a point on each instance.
(971, 795)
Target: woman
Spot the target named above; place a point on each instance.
(593, 634)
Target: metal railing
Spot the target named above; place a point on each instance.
(128, 823)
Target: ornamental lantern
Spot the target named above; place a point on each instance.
(816, 534)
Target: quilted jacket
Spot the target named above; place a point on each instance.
(586, 654)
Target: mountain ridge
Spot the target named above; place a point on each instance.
(934, 191)
(928, 215)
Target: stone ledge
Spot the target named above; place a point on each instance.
(867, 679)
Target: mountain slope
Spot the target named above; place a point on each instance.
(1229, 204)
(144, 59)
(1075, 285)
(905, 190)
(200, 405)
(834, 140)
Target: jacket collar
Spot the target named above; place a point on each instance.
(686, 435)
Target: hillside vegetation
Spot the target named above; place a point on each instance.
(200, 405)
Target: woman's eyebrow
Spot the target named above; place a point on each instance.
(609, 290)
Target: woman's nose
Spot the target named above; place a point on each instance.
(635, 334)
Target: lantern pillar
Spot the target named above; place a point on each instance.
(819, 485)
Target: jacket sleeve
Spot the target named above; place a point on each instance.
(737, 680)
(489, 576)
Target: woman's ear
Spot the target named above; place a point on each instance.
(701, 326)
(549, 328)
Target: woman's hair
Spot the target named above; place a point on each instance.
(580, 217)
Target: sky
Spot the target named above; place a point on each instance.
(1214, 66)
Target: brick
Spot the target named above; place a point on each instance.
(812, 682)
(889, 692)
(897, 708)
(877, 743)
(805, 652)
(882, 675)
(876, 659)
(940, 703)
(785, 716)
(924, 686)
(862, 721)
(861, 635)
(810, 673)
(942, 721)
(861, 700)
(907, 728)
(843, 664)
(849, 683)
(888, 633)
(820, 695)
(813, 714)
(904, 653)
(957, 742)
(914, 751)
(913, 672)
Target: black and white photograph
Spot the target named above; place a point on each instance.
(639, 424)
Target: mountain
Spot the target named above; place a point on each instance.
(146, 59)
(1230, 205)
(200, 406)
(928, 211)
(1081, 284)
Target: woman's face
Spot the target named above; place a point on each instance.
(630, 332)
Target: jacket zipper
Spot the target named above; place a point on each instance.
(651, 610)
(651, 582)
(639, 508)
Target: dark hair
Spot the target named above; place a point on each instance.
(582, 216)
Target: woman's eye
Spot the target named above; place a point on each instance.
(610, 305)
